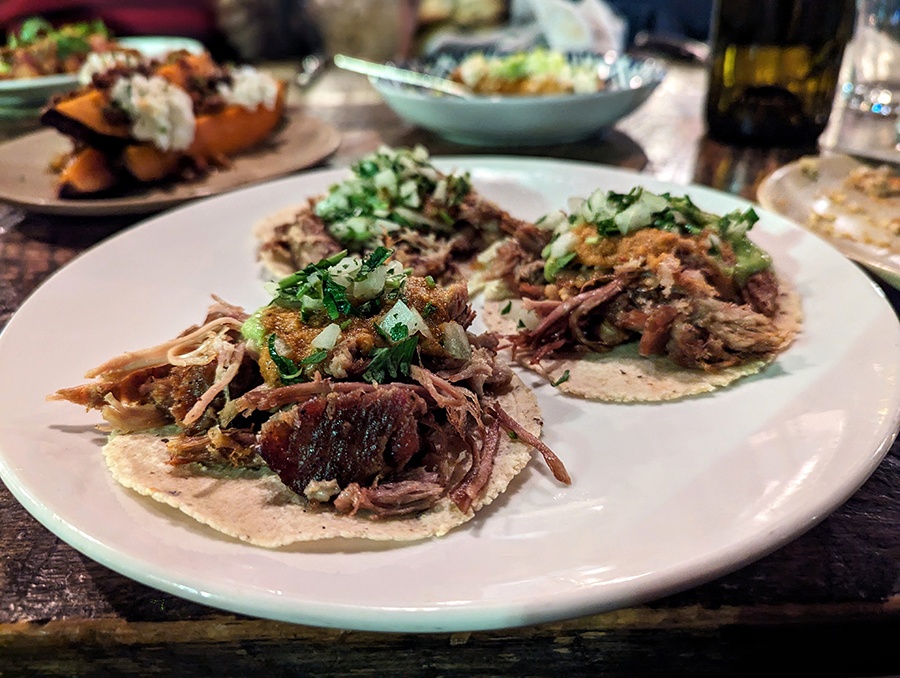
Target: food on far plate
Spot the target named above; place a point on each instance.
(642, 297)
(435, 222)
(538, 71)
(140, 120)
(38, 48)
(863, 206)
(355, 404)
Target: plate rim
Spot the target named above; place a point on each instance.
(466, 619)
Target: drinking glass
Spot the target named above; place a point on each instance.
(873, 84)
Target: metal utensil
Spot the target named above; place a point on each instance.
(397, 74)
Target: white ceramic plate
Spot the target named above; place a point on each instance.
(858, 229)
(32, 93)
(523, 120)
(664, 496)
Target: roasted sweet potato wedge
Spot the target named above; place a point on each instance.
(81, 117)
(88, 172)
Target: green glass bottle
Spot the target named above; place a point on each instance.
(774, 67)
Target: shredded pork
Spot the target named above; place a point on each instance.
(385, 449)
(657, 288)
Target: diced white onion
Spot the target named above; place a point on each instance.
(554, 221)
(345, 271)
(407, 316)
(487, 255)
(416, 217)
(455, 341)
(440, 191)
(370, 286)
(387, 180)
(562, 245)
(328, 337)
(640, 213)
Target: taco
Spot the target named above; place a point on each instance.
(355, 404)
(436, 223)
(642, 297)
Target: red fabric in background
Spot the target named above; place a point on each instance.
(188, 18)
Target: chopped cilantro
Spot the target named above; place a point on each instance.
(288, 372)
(392, 361)
(429, 281)
(334, 298)
(607, 227)
(615, 214)
(315, 358)
(398, 331)
(428, 310)
(445, 216)
(375, 259)
(554, 266)
(563, 378)
(371, 307)
(520, 325)
(32, 29)
(506, 309)
(314, 289)
(387, 190)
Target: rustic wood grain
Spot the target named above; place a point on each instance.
(827, 603)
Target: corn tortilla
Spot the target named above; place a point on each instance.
(256, 507)
(623, 375)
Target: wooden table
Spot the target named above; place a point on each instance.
(828, 603)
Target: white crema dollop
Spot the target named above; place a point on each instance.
(250, 88)
(161, 112)
(101, 62)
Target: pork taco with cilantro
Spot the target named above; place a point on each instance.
(355, 404)
(435, 222)
(641, 297)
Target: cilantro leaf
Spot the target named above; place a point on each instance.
(392, 361)
(376, 259)
(563, 378)
(398, 331)
(288, 372)
(315, 358)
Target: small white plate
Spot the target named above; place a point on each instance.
(664, 496)
(506, 121)
(807, 189)
(32, 93)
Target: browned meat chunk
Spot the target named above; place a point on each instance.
(656, 331)
(761, 292)
(356, 437)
